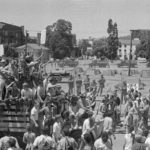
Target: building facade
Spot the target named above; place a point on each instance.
(34, 50)
(11, 34)
(124, 50)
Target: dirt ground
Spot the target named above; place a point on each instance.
(121, 74)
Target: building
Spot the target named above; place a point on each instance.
(11, 34)
(34, 50)
(124, 50)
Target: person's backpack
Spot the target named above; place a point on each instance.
(68, 145)
(44, 144)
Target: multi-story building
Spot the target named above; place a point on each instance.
(124, 50)
(11, 34)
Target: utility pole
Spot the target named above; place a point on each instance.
(129, 71)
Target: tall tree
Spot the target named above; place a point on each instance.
(83, 44)
(113, 41)
(59, 38)
(100, 47)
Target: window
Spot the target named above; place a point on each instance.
(6, 33)
(17, 35)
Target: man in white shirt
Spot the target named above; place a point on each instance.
(34, 117)
(57, 128)
(88, 124)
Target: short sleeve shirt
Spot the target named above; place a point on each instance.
(34, 113)
(99, 145)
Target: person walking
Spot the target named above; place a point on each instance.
(101, 85)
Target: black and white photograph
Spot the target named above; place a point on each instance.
(74, 74)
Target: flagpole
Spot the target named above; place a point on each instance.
(129, 71)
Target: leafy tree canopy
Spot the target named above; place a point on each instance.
(113, 41)
(59, 38)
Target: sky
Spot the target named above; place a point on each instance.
(89, 18)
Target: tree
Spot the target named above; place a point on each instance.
(113, 41)
(143, 48)
(83, 44)
(100, 47)
(59, 38)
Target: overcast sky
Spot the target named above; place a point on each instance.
(88, 17)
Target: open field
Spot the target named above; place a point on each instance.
(111, 79)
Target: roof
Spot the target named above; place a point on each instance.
(32, 46)
(10, 27)
(127, 42)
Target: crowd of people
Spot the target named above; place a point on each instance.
(70, 121)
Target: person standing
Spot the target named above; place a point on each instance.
(145, 112)
(101, 85)
(48, 119)
(28, 138)
(34, 118)
(26, 97)
(57, 129)
(123, 91)
(94, 87)
(2, 88)
(87, 83)
(71, 85)
(79, 84)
